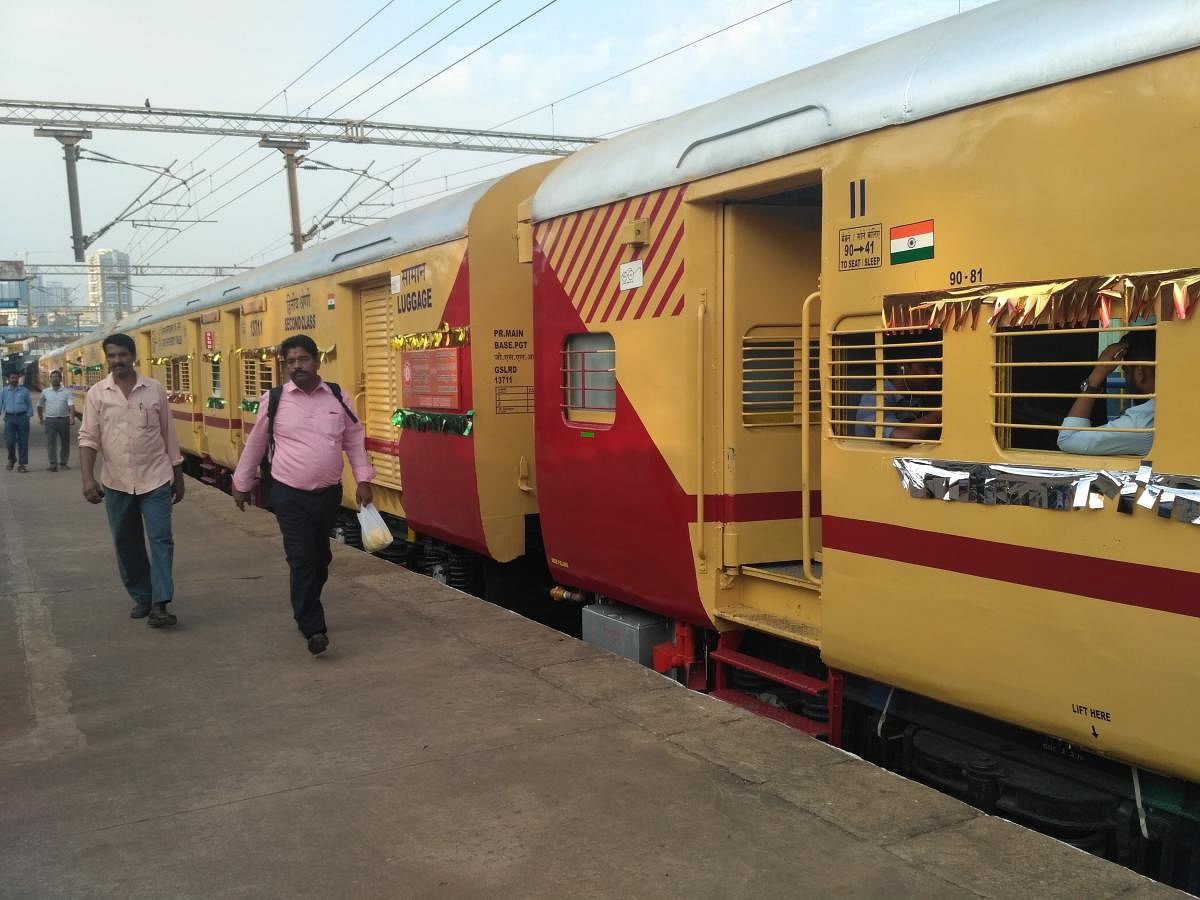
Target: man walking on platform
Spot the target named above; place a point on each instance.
(17, 405)
(302, 429)
(127, 420)
(56, 411)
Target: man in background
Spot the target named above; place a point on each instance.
(17, 406)
(56, 410)
(127, 420)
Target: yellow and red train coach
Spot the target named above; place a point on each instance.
(727, 302)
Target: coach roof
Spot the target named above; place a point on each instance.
(994, 51)
(426, 226)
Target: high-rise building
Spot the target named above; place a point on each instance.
(108, 284)
(47, 298)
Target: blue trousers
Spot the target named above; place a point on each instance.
(132, 518)
(16, 437)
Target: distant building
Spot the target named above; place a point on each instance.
(47, 298)
(108, 284)
(14, 293)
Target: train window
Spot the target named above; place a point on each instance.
(180, 375)
(215, 375)
(885, 383)
(589, 378)
(1041, 370)
(772, 376)
(258, 373)
(250, 387)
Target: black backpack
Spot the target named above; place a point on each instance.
(272, 407)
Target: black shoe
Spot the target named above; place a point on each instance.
(159, 617)
(139, 611)
(318, 644)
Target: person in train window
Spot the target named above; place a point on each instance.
(312, 428)
(127, 420)
(900, 382)
(1077, 435)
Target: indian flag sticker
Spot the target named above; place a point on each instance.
(912, 242)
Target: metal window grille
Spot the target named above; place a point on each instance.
(772, 374)
(885, 379)
(258, 375)
(589, 377)
(179, 375)
(215, 377)
(170, 377)
(91, 378)
(250, 388)
(1038, 373)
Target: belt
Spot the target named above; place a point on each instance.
(322, 490)
(58, 417)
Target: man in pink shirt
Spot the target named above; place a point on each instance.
(311, 428)
(127, 420)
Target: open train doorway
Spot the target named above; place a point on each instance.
(771, 310)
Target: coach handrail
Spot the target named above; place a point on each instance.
(700, 554)
(806, 444)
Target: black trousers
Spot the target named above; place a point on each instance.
(305, 519)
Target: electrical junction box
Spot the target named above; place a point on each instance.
(625, 631)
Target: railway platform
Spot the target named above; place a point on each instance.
(444, 747)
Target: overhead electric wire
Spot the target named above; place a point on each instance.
(157, 248)
(355, 74)
(641, 65)
(292, 83)
(464, 57)
(377, 191)
(606, 80)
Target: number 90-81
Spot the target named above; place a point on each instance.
(971, 276)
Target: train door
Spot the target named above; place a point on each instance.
(381, 382)
(771, 310)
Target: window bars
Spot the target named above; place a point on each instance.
(772, 372)
(589, 378)
(885, 383)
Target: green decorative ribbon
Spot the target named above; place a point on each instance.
(441, 423)
(248, 406)
(215, 403)
(79, 370)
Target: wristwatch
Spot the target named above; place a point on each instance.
(1085, 387)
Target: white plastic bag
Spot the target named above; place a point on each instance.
(375, 533)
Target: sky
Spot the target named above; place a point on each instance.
(229, 56)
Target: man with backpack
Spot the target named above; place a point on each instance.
(302, 428)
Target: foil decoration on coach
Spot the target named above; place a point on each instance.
(439, 423)
(991, 484)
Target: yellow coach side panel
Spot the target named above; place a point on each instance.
(371, 316)
(501, 299)
(259, 331)
(217, 386)
(173, 361)
(1076, 623)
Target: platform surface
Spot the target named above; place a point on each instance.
(444, 747)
